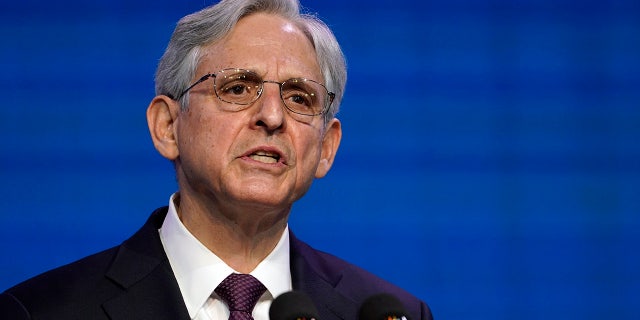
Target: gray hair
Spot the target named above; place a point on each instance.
(178, 64)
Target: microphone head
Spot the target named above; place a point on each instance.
(293, 305)
(382, 306)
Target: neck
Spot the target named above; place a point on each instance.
(241, 237)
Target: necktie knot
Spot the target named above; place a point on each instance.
(241, 293)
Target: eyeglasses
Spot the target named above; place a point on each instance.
(241, 87)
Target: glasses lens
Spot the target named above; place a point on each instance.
(304, 96)
(237, 86)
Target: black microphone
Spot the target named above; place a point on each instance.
(293, 305)
(382, 306)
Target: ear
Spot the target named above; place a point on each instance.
(330, 144)
(162, 115)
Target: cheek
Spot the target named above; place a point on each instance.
(310, 152)
(200, 137)
(213, 142)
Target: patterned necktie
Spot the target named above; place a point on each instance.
(240, 292)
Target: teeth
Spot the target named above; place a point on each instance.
(267, 154)
(265, 157)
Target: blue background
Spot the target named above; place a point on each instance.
(490, 162)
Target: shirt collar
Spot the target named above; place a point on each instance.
(199, 271)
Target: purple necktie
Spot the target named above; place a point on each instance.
(240, 292)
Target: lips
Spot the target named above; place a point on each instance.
(266, 155)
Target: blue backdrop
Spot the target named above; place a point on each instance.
(490, 161)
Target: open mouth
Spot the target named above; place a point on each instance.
(265, 157)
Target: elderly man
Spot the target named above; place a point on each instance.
(247, 91)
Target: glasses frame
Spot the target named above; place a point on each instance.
(331, 96)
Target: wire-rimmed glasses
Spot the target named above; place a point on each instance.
(240, 88)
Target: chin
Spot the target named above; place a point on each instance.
(272, 196)
(266, 200)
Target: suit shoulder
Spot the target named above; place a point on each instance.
(355, 282)
(355, 279)
(80, 271)
(78, 281)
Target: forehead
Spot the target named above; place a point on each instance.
(266, 43)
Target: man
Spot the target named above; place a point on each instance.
(246, 97)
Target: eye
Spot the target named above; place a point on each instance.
(240, 88)
(299, 93)
(300, 98)
(236, 89)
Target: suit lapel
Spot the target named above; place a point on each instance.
(150, 290)
(318, 279)
(141, 268)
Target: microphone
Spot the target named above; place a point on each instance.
(293, 305)
(382, 306)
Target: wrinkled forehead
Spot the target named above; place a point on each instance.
(266, 44)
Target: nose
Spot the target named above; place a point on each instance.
(270, 111)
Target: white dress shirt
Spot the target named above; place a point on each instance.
(199, 271)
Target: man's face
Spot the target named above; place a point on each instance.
(260, 156)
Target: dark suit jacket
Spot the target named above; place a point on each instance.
(134, 281)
